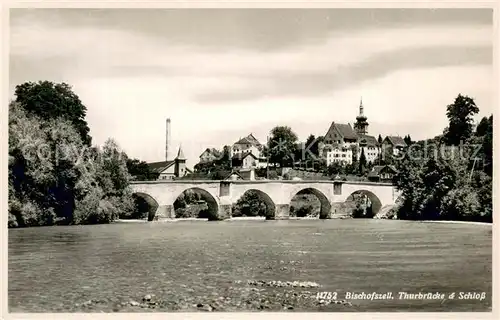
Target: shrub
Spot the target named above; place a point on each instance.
(304, 210)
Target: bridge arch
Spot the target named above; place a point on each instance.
(211, 200)
(251, 200)
(376, 203)
(145, 204)
(325, 205)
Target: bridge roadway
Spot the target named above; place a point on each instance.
(277, 194)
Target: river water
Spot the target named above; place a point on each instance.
(190, 263)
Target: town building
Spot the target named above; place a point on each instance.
(209, 155)
(171, 169)
(370, 146)
(247, 153)
(382, 173)
(394, 144)
(247, 144)
(339, 143)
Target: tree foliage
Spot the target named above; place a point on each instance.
(54, 177)
(440, 179)
(460, 116)
(282, 145)
(48, 100)
(251, 205)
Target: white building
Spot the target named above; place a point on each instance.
(370, 146)
(340, 154)
(248, 144)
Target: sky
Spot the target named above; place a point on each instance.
(221, 74)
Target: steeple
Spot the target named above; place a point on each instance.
(361, 114)
(180, 154)
(361, 125)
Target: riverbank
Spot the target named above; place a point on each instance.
(458, 222)
(293, 218)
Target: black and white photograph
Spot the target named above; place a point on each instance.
(249, 159)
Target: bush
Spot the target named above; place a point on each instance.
(250, 205)
(304, 211)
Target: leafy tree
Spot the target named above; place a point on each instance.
(282, 145)
(49, 100)
(312, 144)
(335, 168)
(224, 162)
(482, 127)
(140, 170)
(251, 205)
(362, 162)
(54, 178)
(460, 115)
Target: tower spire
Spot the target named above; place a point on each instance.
(361, 108)
(180, 154)
(361, 125)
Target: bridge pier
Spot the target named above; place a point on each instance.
(341, 210)
(282, 212)
(224, 212)
(163, 212)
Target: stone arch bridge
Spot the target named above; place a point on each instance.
(277, 194)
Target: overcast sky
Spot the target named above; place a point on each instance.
(221, 74)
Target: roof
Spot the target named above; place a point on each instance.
(236, 173)
(212, 151)
(396, 141)
(345, 130)
(244, 155)
(250, 139)
(160, 166)
(371, 141)
(180, 154)
(377, 169)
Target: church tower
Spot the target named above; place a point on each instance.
(361, 125)
(180, 164)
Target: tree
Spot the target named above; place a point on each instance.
(251, 205)
(362, 162)
(482, 127)
(460, 116)
(282, 145)
(312, 147)
(380, 139)
(335, 168)
(224, 162)
(408, 140)
(49, 100)
(139, 170)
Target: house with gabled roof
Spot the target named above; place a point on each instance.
(370, 146)
(171, 169)
(210, 154)
(395, 143)
(382, 173)
(246, 145)
(339, 143)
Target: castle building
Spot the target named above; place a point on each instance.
(342, 142)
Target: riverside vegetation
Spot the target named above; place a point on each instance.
(56, 176)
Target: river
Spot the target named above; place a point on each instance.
(187, 264)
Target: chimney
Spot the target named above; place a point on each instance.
(167, 140)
